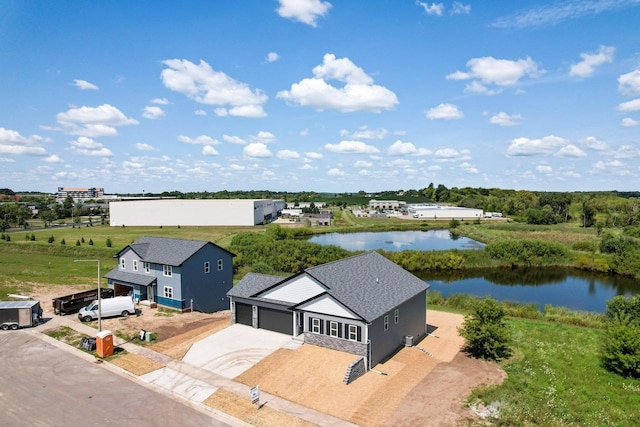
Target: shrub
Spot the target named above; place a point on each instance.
(526, 252)
(621, 346)
(109, 243)
(8, 238)
(77, 242)
(262, 268)
(90, 242)
(585, 246)
(33, 237)
(485, 331)
(62, 242)
(51, 239)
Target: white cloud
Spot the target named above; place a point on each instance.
(313, 155)
(629, 84)
(595, 144)
(257, 150)
(335, 172)
(263, 136)
(89, 147)
(93, 121)
(556, 12)
(201, 139)
(535, 147)
(570, 150)
(200, 113)
(54, 158)
(629, 122)
(143, 147)
(358, 93)
(504, 119)
(400, 148)
(444, 112)
(544, 169)
(208, 150)
(500, 72)
(160, 101)
(365, 133)
(304, 132)
(460, 9)
(11, 142)
(590, 61)
(351, 147)
(626, 152)
(288, 155)
(305, 11)
(633, 105)
(85, 85)
(153, 113)
(433, 8)
(363, 164)
(613, 167)
(468, 167)
(272, 57)
(451, 155)
(233, 139)
(207, 86)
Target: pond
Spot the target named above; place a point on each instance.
(431, 240)
(574, 289)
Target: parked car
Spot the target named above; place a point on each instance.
(117, 306)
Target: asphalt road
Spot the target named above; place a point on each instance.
(42, 385)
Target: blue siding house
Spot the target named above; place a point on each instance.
(365, 305)
(177, 273)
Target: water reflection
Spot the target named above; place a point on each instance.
(431, 240)
(576, 289)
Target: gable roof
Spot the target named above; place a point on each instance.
(367, 284)
(168, 251)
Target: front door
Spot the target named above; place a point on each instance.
(299, 322)
(150, 293)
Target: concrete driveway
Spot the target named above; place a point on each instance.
(235, 349)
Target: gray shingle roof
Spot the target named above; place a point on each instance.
(368, 284)
(135, 278)
(253, 283)
(165, 250)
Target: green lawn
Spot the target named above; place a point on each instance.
(555, 379)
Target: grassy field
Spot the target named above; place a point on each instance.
(555, 379)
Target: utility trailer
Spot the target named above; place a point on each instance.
(18, 314)
(73, 303)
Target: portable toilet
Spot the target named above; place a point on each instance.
(104, 343)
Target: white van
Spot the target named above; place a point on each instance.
(116, 306)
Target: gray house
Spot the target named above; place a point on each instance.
(365, 305)
(177, 273)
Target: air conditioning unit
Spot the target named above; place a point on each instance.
(408, 340)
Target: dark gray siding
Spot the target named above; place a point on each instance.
(243, 313)
(412, 321)
(275, 320)
(207, 290)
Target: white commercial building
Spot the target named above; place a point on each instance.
(189, 212)
(430, 211)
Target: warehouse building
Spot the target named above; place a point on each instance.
(431, 211)
(180, 212)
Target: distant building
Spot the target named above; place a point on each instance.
(387, 204)
(431, 211)
(79, 194)
(193, 212)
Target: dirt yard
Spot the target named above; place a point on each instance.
(164, 323)
(433, 375)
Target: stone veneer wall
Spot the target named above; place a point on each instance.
(353, 347)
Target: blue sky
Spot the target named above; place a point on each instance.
(336, 96)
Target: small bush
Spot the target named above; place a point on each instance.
(109, 243)
(8, 238)
(62, 242)
(51, 239)
(33, 237)
(77, 242)
(90, 242)
(585, 246)
(485, 331)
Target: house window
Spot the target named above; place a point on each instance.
(315, 326)
(206, 267)
(219, 264)
(135, 265)
(123, 264)
(386, 322)
(167, 270)
(168, 292)
(396, 315)
(147, 267)
(353, 333)
(333, 329)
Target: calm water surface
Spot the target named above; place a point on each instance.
(570, 288)
(431, 240)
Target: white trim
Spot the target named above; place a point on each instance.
(315, 325)
(147, 267)
(396, 316)
(207, 267)
(333, 329)
(123, 263)
(386, 322)
(352, 332)
(167, 292)
(167, 270)
(135, 265)
(220, 265)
